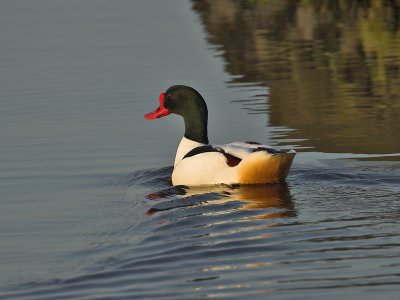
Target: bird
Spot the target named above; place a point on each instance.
(199, 163)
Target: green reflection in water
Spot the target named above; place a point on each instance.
(332, 67)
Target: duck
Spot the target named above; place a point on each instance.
(199, 163)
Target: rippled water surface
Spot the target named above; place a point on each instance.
(87, 209)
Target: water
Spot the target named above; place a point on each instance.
(87, 210)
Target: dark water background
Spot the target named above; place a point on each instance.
(86, 208)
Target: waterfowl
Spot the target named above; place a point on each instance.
(199, 163)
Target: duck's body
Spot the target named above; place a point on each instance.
(198, 163)
(242, 163)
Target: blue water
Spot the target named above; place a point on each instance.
(87, 210)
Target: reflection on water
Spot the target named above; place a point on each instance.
(332, 67)
(273, 196)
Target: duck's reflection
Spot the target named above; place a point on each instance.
(266, 197)
(275, 199)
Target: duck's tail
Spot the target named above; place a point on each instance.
(264, 167)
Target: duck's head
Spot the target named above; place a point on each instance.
(188, 103)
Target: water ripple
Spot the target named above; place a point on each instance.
(282, 238)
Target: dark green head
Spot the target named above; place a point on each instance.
(188, 103)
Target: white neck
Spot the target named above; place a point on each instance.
(184, 147)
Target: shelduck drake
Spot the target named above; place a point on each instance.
(198, 163)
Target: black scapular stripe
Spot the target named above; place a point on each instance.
(203, 149)
(231, 160)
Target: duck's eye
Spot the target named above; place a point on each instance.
(169, 96)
